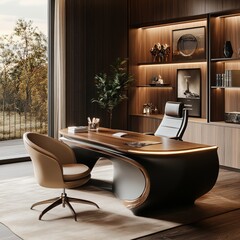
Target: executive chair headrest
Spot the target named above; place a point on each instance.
(174, 109)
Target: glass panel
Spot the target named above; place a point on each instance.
(23, 67)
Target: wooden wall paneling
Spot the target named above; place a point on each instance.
(106, 39)
(212, 75)
(232, 150)
(133, 102)
(134, 6)
(232, 100)
(217, 95)
(226, 137)
(193, 132)
(207, 134)
(143, 98)
(223, 29)
(155, 95)
(144, 124)
(217, 104)
(216, 29)
(231, 33)
(214, 5)
(75, 59)
(141, 73)
(215, 135)
(163, 10)
(147, 12)
(189, 24)
(158, 97)
(231, 4)
(156, 35)
(216, 68)
(188, 8)
(196, 7)
(204, 87)
(167, 73)
(143, 11)
(135, 46)
(97, 33)
(179, 8)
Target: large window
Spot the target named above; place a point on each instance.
(23, 67)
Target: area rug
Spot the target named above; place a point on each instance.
(112, 221)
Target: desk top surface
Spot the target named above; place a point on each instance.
(133, 142)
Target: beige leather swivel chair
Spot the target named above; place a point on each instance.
(174, 122)
(55, 166)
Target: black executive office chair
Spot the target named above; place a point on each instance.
(174, 121)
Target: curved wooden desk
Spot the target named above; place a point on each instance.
(162, 173)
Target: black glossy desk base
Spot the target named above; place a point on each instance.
(146, 182)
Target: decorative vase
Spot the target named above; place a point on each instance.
(228, 51)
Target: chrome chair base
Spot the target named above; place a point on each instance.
(64, 200)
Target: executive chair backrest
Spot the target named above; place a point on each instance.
(174, 121)
(48, 155)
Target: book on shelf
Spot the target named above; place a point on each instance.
(232, 78)
(77, 129)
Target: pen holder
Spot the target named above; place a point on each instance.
(93, 126)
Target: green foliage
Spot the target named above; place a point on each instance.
(112, 87)
(23, 70)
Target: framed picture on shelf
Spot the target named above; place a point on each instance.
(189, 44)
(189, 90)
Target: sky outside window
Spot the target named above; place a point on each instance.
(12, 10)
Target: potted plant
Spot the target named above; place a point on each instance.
(112, 87)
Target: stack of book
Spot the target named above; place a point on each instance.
(231, 78)
(77, 129)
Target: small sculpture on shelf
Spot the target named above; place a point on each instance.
(160, 52)
(147, 108)
(158, 81)
(227, 50)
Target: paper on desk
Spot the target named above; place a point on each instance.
(77, 129)
(119, 134)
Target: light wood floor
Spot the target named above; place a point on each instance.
(222, 227)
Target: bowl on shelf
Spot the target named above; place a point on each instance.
(232, 117)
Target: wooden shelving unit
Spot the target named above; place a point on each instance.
(223, 27)
(141, 39)
(215, 100)
(210, 128)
